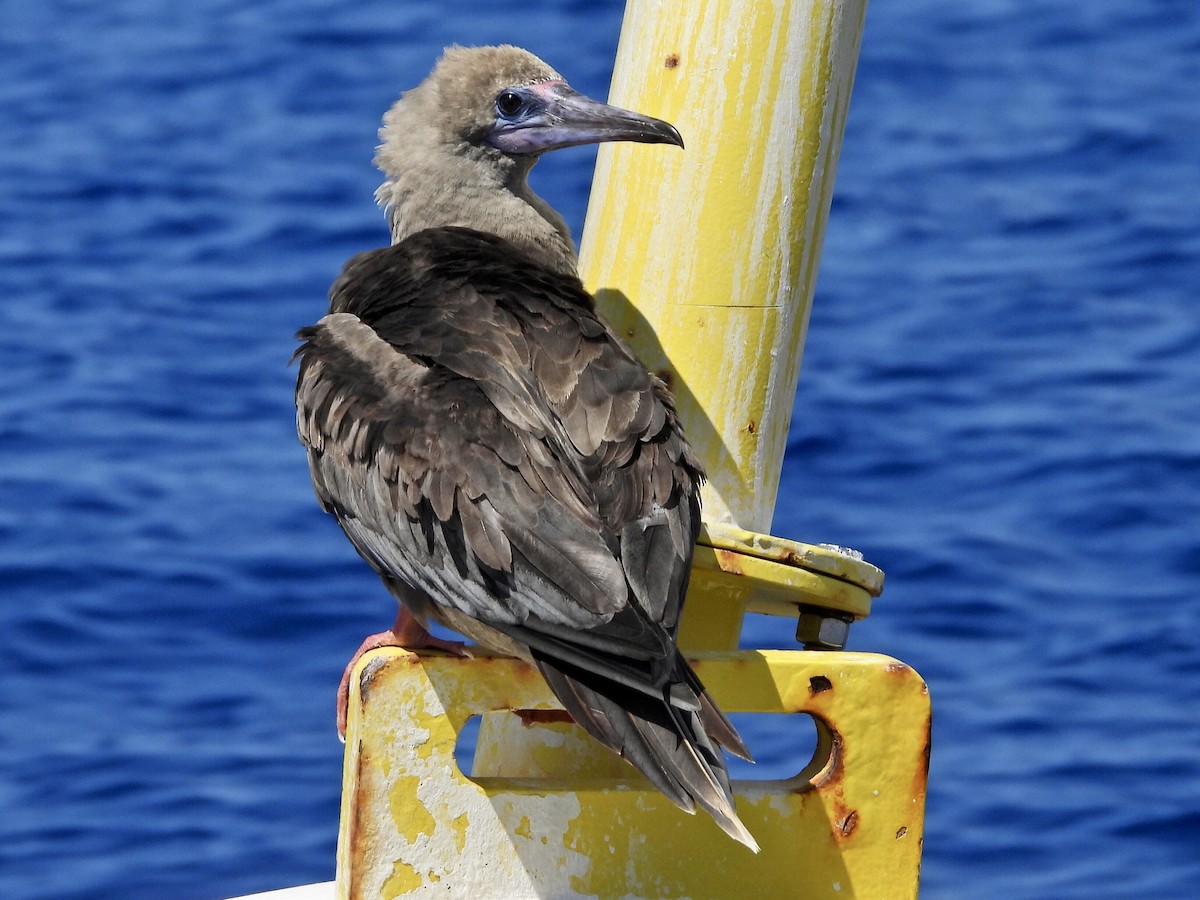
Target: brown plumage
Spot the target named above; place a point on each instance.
(491, 448)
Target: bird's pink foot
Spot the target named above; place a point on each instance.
(407, 633)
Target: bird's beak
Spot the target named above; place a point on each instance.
(557, 116)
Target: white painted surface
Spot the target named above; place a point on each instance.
(322, 891)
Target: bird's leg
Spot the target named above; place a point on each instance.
(405, 632)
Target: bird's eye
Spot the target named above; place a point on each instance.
(509, 103)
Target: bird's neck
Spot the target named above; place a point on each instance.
(461, 194)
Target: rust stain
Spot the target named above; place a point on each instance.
(523, 670)
(671, 61)
(901, 831)
(848, 823)
(830, 778)
(362, 797)
(789, 556)
(920, 782)
(844, 820)
(896, 668)
(729, 562)
(818, 684)
(531, 717)
(751, 427)
(375, 665)
(928, 741)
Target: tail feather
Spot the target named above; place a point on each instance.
(666, 743)
(718, 727)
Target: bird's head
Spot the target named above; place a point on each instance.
(458, 147)
(497, 103)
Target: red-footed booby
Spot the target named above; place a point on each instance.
(491, 448)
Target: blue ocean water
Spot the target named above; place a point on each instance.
(1000, 406)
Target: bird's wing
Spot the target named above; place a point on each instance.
(460, 406)
(432, 487)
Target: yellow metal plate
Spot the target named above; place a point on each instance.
(844, 565)
(413, 825)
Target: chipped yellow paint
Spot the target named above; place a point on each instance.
(424, 749)
(522, 829)
(413, 820)
(403, 880)
(853, 818)
(460, 826)
(705, 259)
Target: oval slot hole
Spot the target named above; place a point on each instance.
(785, 746)
(464, 747)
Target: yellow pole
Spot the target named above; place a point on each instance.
(705, 259)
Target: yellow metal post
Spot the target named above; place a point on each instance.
(705, 261)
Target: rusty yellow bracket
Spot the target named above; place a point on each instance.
(734, 572)
(414, 825)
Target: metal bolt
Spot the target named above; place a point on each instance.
(818, 629)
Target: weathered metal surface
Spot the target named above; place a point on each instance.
(413, 825)
(705, 259)
(836, 562)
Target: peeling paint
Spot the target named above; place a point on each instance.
(460, 824)
(412, 820)
(404, 879)
(443, 834)
(522, 829)
(559, 835)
